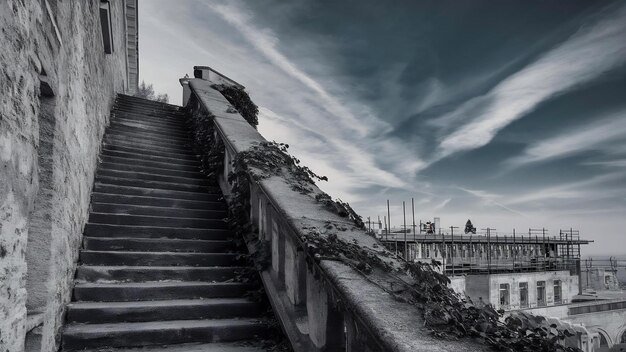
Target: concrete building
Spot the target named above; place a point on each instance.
(62, 64)
(526, 271)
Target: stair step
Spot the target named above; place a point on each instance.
(239, 346)
(94, 273)
(161, 159)
(119, 258)
(152, 106)
(156, 245)
(147, 144)
(137, 100)
(136, 175)
(146, 220)
(130, 209)
(153, 121)
(157, 201)
(179, 123)
(150, 184)
(149, 111)
(160, 141)
(140, 126)
(159, 193)
(140, 291)
(81, 336)
(178, 309)
(148, 169)
(160, 137)
(149, 163)
(150, 151)
(107, 230)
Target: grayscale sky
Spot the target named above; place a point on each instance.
(510, 113)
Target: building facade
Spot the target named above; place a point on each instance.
(61, 65)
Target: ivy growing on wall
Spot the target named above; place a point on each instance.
(206, 144)
(241, 101)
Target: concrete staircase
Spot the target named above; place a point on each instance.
(158, 264)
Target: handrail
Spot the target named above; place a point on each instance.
(370, 317)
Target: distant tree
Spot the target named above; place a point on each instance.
(146, 91)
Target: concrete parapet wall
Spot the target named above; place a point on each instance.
(57, 86)
(316, 301)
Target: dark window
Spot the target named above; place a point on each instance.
(541, 293)
(105, 23)
(523, 294)
(623, 338)
(558, 295)
(504, 295)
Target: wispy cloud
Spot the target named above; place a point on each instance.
(592, 51)
(585, 190)
(265, 41)
(490, 198)
(596, 135)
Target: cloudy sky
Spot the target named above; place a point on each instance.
(511, 113)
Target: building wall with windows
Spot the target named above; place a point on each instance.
(523, 290)
(57, 85)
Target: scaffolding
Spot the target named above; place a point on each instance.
(489, 251)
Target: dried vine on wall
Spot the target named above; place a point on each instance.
(446, 313)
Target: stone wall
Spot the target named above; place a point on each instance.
(56, 89)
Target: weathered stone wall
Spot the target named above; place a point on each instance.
(59, 43)
(488, 287)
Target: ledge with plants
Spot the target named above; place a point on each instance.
(405, 306)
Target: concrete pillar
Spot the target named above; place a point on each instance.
(326, 328)
(278, 254)
(184, 82)
(295, 272)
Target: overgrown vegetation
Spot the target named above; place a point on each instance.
(241, 101)
(146, 91)
(445, 313)
(205, 142)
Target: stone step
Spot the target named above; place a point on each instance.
(119, 258)
(146, 144)
(157, 201)
(131, 209)
(169, 134)
(151, 192)
(159, 139)
(141, 126)
(178, 309)
(185, 160)
(172, 109)
(134, 175)
(107, 230)
(148, 169)
(93, 273)
(162, 185)
(82, 336)
(139, 101)
(155, 124)
(149, 163)
(157, 245)
(141, 291)
(146, 220)
(239, 346)
(149, 151)
(157, 111)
